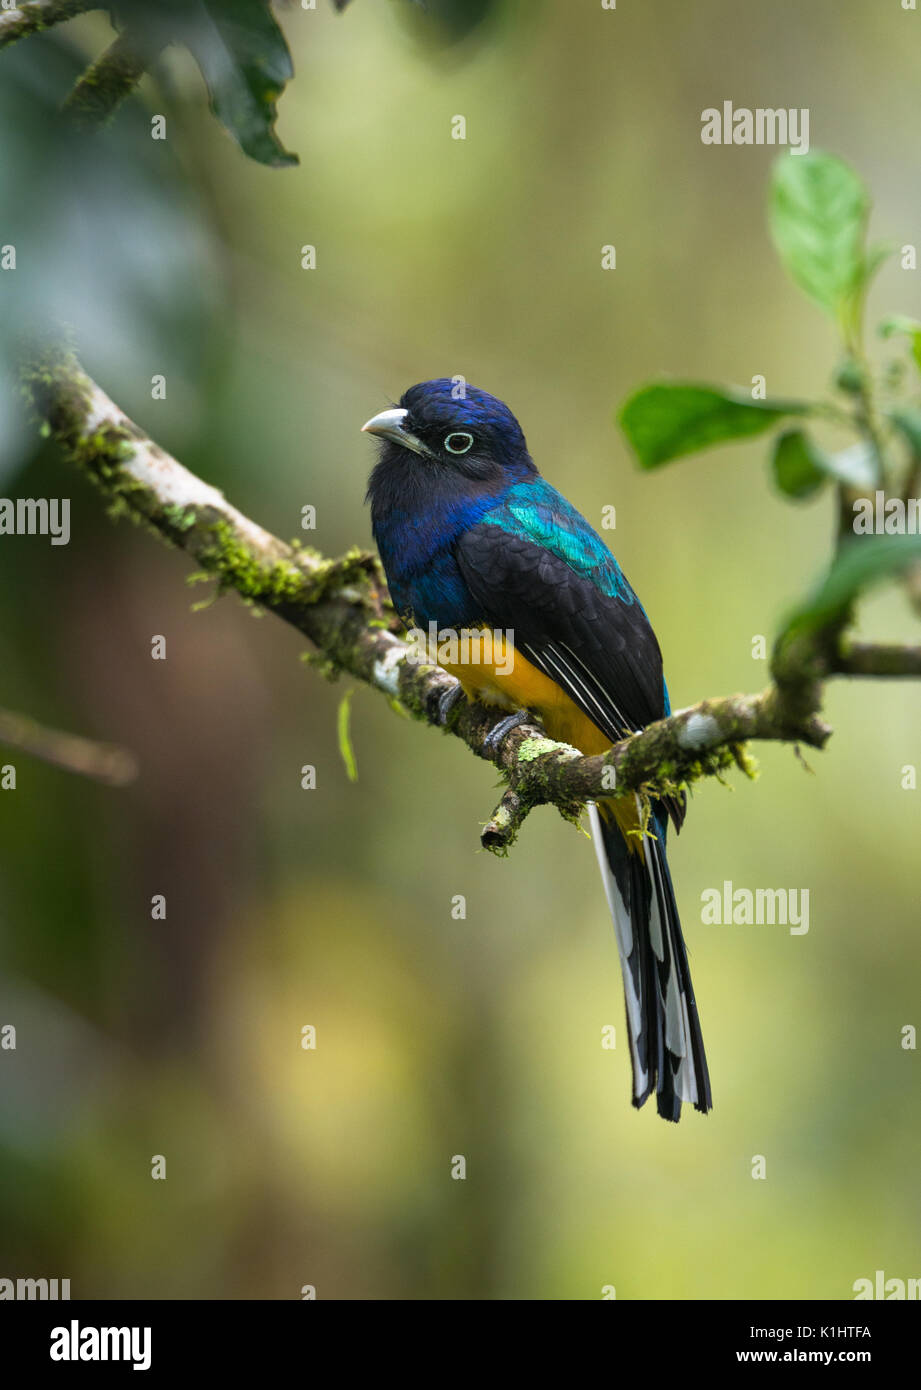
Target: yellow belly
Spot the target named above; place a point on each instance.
(493, 671)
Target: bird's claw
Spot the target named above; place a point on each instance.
(447, 700)
(497, 733)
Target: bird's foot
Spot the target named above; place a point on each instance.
(497, 733)
(447, 700)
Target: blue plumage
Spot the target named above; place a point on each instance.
(471, 535)
(419, 513)
(535, 511)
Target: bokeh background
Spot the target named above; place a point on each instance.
(438, 1036)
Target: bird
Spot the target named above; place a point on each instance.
(474, 540)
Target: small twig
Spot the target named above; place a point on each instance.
(107, 82)
(878, 659)
(865, 411)
(500, 830)
(104, 762)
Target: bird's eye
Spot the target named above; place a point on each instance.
(459, 442)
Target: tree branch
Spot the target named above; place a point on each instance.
(343, 607)
(877, 659)
(107, 82)
(104, 762)
(34, 15)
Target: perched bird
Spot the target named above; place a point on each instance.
(473, 538)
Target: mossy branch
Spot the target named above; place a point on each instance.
(342, 607)
(106, 83)
(32, 16)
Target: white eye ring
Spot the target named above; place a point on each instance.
(466, 442)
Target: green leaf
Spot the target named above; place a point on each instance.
(798, 470)
(345, 739)
(666, 420)
(801, 467)
(242, 55)
(818, 218)
(901, 323)
(861, 562)
(245, 62)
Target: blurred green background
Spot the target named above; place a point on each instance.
(438, 1036)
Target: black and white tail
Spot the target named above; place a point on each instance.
(666, 1045)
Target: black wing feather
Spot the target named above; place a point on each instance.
(599, 647)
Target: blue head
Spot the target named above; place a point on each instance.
(446, 455)
(444, 430)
